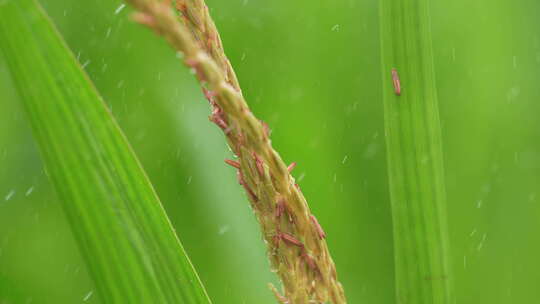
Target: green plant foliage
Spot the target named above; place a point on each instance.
(312, 71)
(415, 159)
(121, 228)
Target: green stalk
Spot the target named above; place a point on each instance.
(123, 233)
(415, 160)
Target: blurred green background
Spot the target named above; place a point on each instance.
(311, 69)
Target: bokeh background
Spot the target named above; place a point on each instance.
(311, 69)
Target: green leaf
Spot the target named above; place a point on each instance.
(132, 251)
(415, 160)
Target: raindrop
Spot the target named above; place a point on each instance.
(479, 204)
(29, 191)
(223, 230)
(344, 159)
(120, 8)
(371, 150)
(335, 28)
(85, 64)
(481, 244)
(88, 295)
(513, 93)
(9, 195)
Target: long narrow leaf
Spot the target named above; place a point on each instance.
(122, 230)
(415, 162)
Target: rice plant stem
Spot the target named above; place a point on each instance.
(415, 157)
(296, 248)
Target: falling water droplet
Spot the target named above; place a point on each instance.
(119, 9)
(9, 195)
(29, 191)
(88, 295)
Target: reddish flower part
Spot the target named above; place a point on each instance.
(144, 19)
(279, 297)
(243, 183)
(219, 122)
(266, 129)
(181, 6)
(233, 163)
(280, 208)
(309, 260)
(291, 167)
(289, 239)
(190, 62)
(318, 227)
(209, 94)
(396, 82)
(259, 164)
(275, 239)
